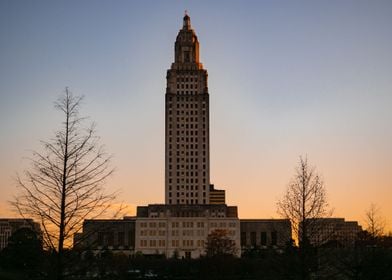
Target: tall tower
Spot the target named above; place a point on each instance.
(187, 143)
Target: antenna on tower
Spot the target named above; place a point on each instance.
(186, 13)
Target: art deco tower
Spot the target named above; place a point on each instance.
(187, 157)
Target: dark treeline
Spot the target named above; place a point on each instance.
(371, 258)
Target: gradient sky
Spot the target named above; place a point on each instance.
(286, 78)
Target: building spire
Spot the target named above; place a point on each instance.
(187, 21)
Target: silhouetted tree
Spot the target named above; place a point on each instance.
(219, 244)
(374, 223)
(303, 203)
(64, 185)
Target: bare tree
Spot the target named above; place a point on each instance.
(304, 202)
(374, 223)
(64, 184)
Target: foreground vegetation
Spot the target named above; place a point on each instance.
(369, 259)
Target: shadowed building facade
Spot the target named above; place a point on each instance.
(333, 232)
(107, 234)
(10, 226)
(264, 233)
(182, 230)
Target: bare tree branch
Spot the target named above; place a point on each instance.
(374, 223)
(64, 184)
(304, 201)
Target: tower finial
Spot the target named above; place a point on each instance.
(187, 21)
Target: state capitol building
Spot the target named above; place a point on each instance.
(193, 207)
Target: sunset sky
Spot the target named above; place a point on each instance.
(286, 78)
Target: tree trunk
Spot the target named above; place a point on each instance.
(60, 252)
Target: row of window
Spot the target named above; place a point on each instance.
(188, 98)
(183, 152)
(186, 160)
(108, 238)
(187, 180)
(256, 239)
(189, 156)
(187, 105)
(188, 148)
(187, 126)
(184, 224)
(187, 153)
(186, 86)
(186, 79)
(183, 140)
(189, 166)
(187, 187)
(188, 120)
(174, 243)
(187, 92)
(187, 174)
(182, 119)
(187, 243)
(185, 132)
(152, 233)
(188, 194)
(152, 243)
(186, 113)
(185, 232)
(185, 201)
(153, 224)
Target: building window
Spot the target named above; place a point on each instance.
(121, 238)
(110, 237)
(274, 238)
(100, 238)
(263, 238)
(243, 238)
(253, 239)
(131, 238)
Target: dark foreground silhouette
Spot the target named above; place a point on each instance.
(369, 259)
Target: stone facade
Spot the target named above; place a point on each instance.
(107, 234)
(333, 232)
(264, 233)
(182, 230)
(187, 157)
